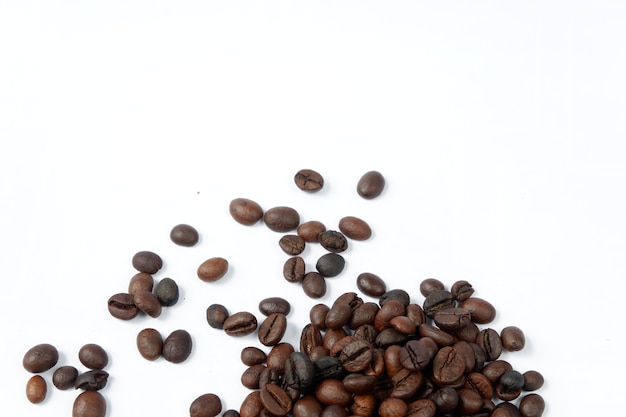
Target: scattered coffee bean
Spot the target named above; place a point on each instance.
(533, 380)
(150, 344)
(333, 241)
(355, 228)
(36, 389)
(141, 281)
(461, 290)
(245, 211)
(371, 284)
(206, 405)
(64, 377)
(92, 380)
(513, 338)
(281, 219)
(310, 231)
(213, 269)
(532, 405)
(216, 315)
(294, 269)
(147, 261)
(314, 284)
(330, 264)
(177, 346)
(167, 292)
(429, 285)
(272, 329)
(40, 358)
(252, 355)
(184, 235)
(93, 356)
(122, 306)
(89, 404)
(272, 305)
(482, 311)
(292, 244)
(148, 302)
(309, 180)
(240, 324)
(370, 185)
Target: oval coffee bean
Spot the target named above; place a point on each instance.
(147, 261)
(275, 400)
(314, 284)
(93, 356)
(448, 366)
(148, 302)
(281, 219)
(482, 311)
(122, 306)
(370, 185)
(216, 315)
(141, 281)
(299, 371)
(452, 319)
(272, 305)
(184, 235)
(332, 392)
(330, 265)
(438, 300)
(36, 389)
(310, 231)
(356, 356)
(245, 211)
(429, 285)
(333, 241)
(64, 377)
(89, 404)
(513, 338)
(294, 269)
(177, 346)
(212, 269)
(355, 228)
(206, 405)
(292, 244)
(272, 329)
(252, 355)
(371, 284)
(251, 405)
(167, 292)
(532, 405)
(40, 358)
(309, 180)
(149, 344)
(462, 290)
(240, 324)
(490, 341)
(533, 380)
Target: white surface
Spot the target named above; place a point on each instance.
(499, 128)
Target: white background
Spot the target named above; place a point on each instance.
(499, 127)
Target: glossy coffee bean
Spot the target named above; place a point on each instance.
(147, 261)
(424, 407)
(212, 269)
(167, 292)
(241, 323)
(245, 211)
(294, 269)
(355, 228)
(36, 389)
(310, 338)
(272, 329)
(333, 241)
(406, 384)
(206, 405)
(184, 235)
(93, 356)
(330, 264)
(356, 356)
(462, 290)
(148, 302)
(364, 314)
(149, 344)
(89, 404)
(278, 355)
(292, 244)
(532, 405)
(370, 185)
(332, 392)
(482, 311)
(452, 319)
(299, 371)
(92, 380)
(392, 407)
(490, 341)
(533, 380)
(338, 316)
(40, 358)
(251, 405)
(417, 354)
(314, 284)
(438, 300)
(177, 346)
(216, 315)
(275, 400)
(64, 377)
(371, 284)
(252, 355)
(272, 305)
(231, 413)
(448, 366)
(513, 338)
(307, 406)
(310, 231)
(122, 306)
(309, 180)
(281, 219)
(429, 285)
(141, 281)
(397, 294)
(446, 399)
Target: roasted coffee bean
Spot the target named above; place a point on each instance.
(363, 405)
(462, 290)
(294, 269)
(206, 405)
(36, 389)
(357, 383)
(332, 392)
(149, 344)
(448, 366)
(141, 281)
(393, 362)
(277, 356)
(281, 219)
(513, 338)
(370, 185)
(333, 241)
(177, 346)
(40, 358)
(212, 269)
(371, 284)
(299, 371)
(364, 314)
(392, 407)
(216, 315)
(470, 402)
(355, 228)
(251, 376)
(388, 311)
(396, 294)
(533, 380)
(64, 377)
(148, 302)
(251, 405)
(424, 407)
(479, 383)
(317, 315)
(417, 354)
(446, 399)
(309, 180)
(231, 413)
(270, 375)
(275, 400)
(438, 300)
(245, 211)
(390, 336)
(511, 381)
(406, 383)
(292, 244)
(328, 367)
(429, 285)
(92, 380)
(272, 329)
(272, 305)
(307, 406)
(184, 235)
(89, 404)
(335, 411)
(240, 324)
(468, 333)
(482, 311)
(337, 347)
(505, 409)
(310, 231)
(490, 341)
(310, 337)
(167, 292)
(351, 298)
(252, 355)
(314, 284)
(404, 325)
(416, 313)
(440, 337)
(494, 370)
(338, 316)
(147, 261)
(532, 405)
(93, 356)
(331, 336)
(452, 319)
(356, 356)
(122, 306)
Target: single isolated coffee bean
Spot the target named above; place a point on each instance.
(241, 323)
(40, 358)
(330, 264)
(147, 261)
(281, 219)
(212, 269)
(167, 292)
(292, 244)
(216, 315)
(309, 180)
(64, 377)
(272, 305)
(533, 380)
(429, 285)
(355, 228)
(252, 355)
(370, 185)
(513, 338)
(310, 231)
(122, 306)
(206, 405)
(184, 235)
(93, 356)
(177, 346)
(150, 344)
(89, 404)
(36, 389)
(482, 311)
(245, 211)
(532, 405)
(314, 284)
(371, 284)
(333, 241)
(294, 269)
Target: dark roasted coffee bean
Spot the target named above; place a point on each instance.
(337, 347)
(36, 389)
(424, 407)
(212, 269)
(363, 405)
(270, 375)
(462, 290)
(64, 377)
(479, 383)
(89, 404)
(272, 305)
(532, 405)
(464, 349)
(147, 261)
(511, 380)
(355, 228)
(206, 405)
(309, 180)
(393, 362)
(332, 392)
(275, 400)
(328, 367)
(351, 298)
(416, 313)
(245, 211)
(252, 355)
(371, 284)
(446, 399)
(231, 413)
(468, 333)
(438, 300)
(505, 409)
(272, 329)
(184, 235)
(406, 383)
(292, 244)
(439, 336)
(177, 346)
(40, 358)
(356, 356)
(93, 356)
(429, 285)
(357, 383)
(448, 366)
(167, 292)
(338, 316)
(513, 338)
(299, 371)
(216, 315)
(388, 311)
(307, 406)
(363, 314)
(333, 241)
(281, 219)
(370, 185)
(310, 337)
(482, 311)
(314, 284)
(141, 281)
(470, 402)
(396, 294)
(150, 344)
(490, 341)
(366, 332)
(251, 376)
(404, 325)
(416, 354)
(494, 370)
(533, 380)
(122, 306)
(251, 405)
(452, 319)
(148, 302)
(317, 315)
(240, 324)
(294, 269)
(392, 407)
(335, 411)
(277, 356)
(92, 380)
(310, 231)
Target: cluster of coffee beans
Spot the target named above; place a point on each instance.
(44, 357)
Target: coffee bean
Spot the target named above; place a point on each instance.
(357, 383)
(216, 315)
(505, 409)
(92, 380)
(406, 384)
(438, 300)
(470, 402)
(490, 341)
(252, 355)
(36, 389)
(141, 281)
(532, 405)
(371, 284)
(403, 324)
(245, 211)
(40, 358)
(452, 319)
(206, 405)
(281, 219)
(177, 346)
(251, 376)
(424, 407)
(307, 406)
(356, 356)
(64, 377)
(482, 311)
(416, 354)
(392, 407)
(363, 314)
(272, 329)
(294, 269)
(147, 261)
(462, 290)
(513, 338)
(89, 404)
(397, 294)
(448, 366)
(314, 284)
(272, 305)
(299, 371)
(429, 285)
(212, 269)
(317, 315)
(275, 400)
(494, 370)
(388, 311)
(148, 302)
(122, 306)
(338, 316)
(310, 231)
(167, 292)
(446, 399)
(241, 323)
(533, 380)
(277, 356)
(251, 405)
(355, 228)
(330, 264)
(333, 241)
(184, 235)
(149, 344)
(93, 356)
(370, 185)
(310, 337)
(309, 180)
(332, 392)
(479, 383)
(292, 244)
(440, 337)
(231, 413)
